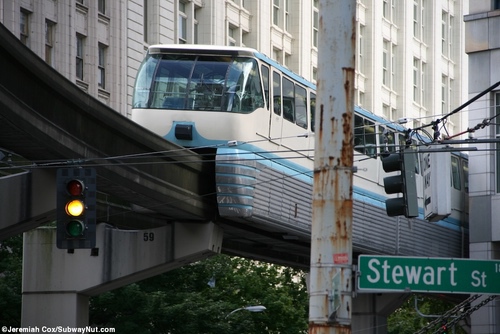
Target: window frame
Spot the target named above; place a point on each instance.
(79, 66)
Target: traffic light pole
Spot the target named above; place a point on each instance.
(330, 303)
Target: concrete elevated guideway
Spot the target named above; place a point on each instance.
(47, 122)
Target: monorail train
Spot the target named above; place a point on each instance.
(257, 118)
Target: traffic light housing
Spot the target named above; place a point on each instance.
(76, 208)
(405, 183)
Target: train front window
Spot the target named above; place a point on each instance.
(205, 82)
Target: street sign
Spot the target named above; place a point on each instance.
(420, 274)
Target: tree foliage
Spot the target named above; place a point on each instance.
(11, 256)
(182, 301)
(406, 320)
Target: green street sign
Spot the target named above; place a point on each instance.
(423, 274)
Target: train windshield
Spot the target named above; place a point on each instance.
(198, 82)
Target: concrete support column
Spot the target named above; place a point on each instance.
(57, 284)
(65, 308)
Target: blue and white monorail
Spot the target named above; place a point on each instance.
(257, 117)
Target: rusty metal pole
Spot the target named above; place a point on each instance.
(330, 288)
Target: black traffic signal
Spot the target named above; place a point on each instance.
(76, 208)
(405, 183)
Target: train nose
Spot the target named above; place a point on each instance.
(184, 131)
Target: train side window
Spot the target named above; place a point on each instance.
(387, 140)
(465, 170)
(265, 81)
(288, 100)
(364, 136)
(277, 93)
(312, 105)
(301, 107)
(455, 173)
(358, 134)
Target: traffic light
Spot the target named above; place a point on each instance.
(76, 208)
(444, 329)
(405, 183)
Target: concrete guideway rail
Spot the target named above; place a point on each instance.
(43, 116)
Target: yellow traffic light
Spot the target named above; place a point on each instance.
(75, 208)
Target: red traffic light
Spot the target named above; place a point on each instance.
(75, 187)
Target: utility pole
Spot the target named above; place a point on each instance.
(330, 301)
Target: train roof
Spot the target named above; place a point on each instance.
(211, 49)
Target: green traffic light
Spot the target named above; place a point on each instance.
(75, 228)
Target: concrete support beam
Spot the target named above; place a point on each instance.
(57, 284)
(27, 200)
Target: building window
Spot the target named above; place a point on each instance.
(416, 80)
(24, 27)
(388, 63)
(101, 6)
(231, 33)
(444, 95)
(361, 98)
(49, 41)
(315, 23)
(276, 12)
(389, 10)
(101, 78)
(446, 33)
(418, 19)
(182, 29)
(195, 25)
(496, 4)
(393, 67)
(386, 110)
(79, 56)
(423, 99)
(419, 68)
(287, 15)
(277, 55)
(361, 49)
(386, 10)
(385, 63)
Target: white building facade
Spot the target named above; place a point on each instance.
(483, 47)
(410, 54)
